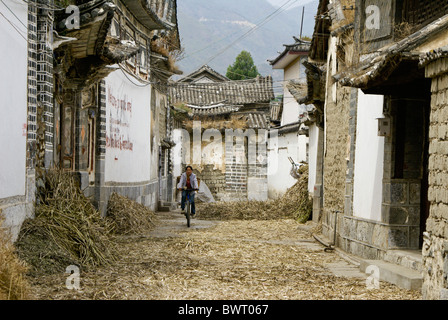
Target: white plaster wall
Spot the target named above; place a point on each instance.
(291, 108)
(257, 189)
(312, 156)
(369, 158)
(279, 179)
(330, 89)
(302, 149)
(177, 152)
(13, 106)
(134, 125)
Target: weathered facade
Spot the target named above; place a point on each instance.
(224, 132)
(123, 109)
(385, 132)
(96, 102)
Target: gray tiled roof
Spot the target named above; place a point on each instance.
(257, 90)
(428, 57)
(204, 70)
(297, 89)
(257, 120)
(217, 109)
(276, 111)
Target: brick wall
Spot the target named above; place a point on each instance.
(236, 168)
(351, 156)
(100, 198)
(215, 180)
(162, 117)
(236, 180)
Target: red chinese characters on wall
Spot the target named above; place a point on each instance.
(120, 113)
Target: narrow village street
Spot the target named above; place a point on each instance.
(235, 259)
(310, 136)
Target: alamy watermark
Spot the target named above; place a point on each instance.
(73, 281)
(373, 17)
(373, 280)
(229, 146)
(72, 21)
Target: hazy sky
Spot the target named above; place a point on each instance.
(292, 4)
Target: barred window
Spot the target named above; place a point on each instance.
(422, 12)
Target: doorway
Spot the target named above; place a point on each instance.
(409, 180)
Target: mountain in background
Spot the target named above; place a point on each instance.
(214, 32)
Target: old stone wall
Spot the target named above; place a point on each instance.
(435, 245)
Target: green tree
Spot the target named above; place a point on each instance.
(242, 68)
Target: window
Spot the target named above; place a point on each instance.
(421, 12)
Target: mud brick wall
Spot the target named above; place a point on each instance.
(100, 198)
(435, 246)
(257, 181)
(337, 150)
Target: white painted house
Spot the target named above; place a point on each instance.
(15, 205)
(292, 133)
(131, 156)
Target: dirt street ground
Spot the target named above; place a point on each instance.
(276, 259)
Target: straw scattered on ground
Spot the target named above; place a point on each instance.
(235, 260)
(13, 282)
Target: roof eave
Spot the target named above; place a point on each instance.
(143, 13)
(286, 59)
